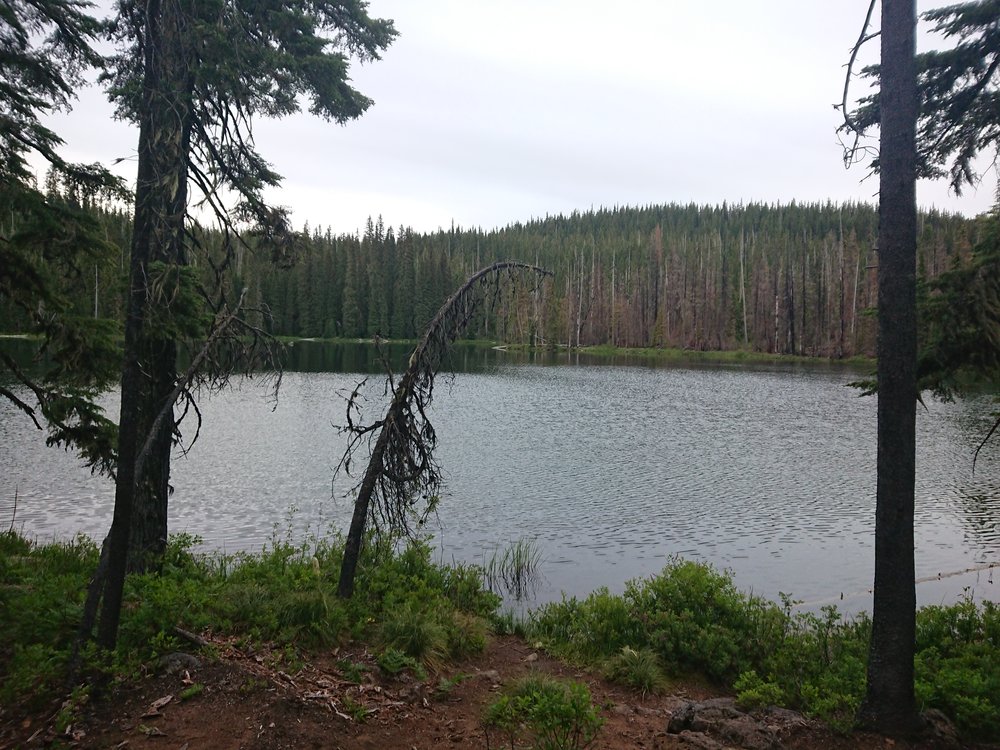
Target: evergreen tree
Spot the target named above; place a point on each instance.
(194, 75)
(959, 93)
(404, 288)
(45, 243)
(949, 113)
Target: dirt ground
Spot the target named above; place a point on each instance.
(242, 700)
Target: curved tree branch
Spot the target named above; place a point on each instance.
(402, 469)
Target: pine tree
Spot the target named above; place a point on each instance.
(194, 75)
(958, 90)
(44, 243)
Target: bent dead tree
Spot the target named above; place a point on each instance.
(401, 469)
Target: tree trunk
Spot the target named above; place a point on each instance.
(889, 704)
(138, 529)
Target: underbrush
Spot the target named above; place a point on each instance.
(284, 597)
(688, 620)
(551, 714)
(692, 620)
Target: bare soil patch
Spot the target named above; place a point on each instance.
(342, 700)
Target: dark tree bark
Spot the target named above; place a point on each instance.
(161, 204)
(889, 704)
(138, 528)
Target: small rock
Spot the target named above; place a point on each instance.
(531, 657)
(720, 718)
(940, 728)
(178, 662)
(698, 741)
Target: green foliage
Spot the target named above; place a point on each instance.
(393, 662)
(960, 315)
(508, 622)
(234, 62)
(552, 714)
(281, 596)
(754, 692)
(697, 619)
(596, 628)
(692, 619)
(415, 631)
(45, 241)
(639, 670)
(190, 692)
(175, 307)
(957, 89)
(352, 671)
(40, 605)
(383, 569)
(46, 50)
(515, 570)
(958, 664)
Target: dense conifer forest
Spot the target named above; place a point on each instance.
(789, 279)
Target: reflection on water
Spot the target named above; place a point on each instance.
(768, 470)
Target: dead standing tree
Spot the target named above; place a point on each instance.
(402, 467)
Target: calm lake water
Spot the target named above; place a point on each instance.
(611, 467)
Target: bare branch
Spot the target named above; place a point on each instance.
(402, 471)
(183, 383)
(851, 152)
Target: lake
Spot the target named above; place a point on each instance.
(610, 465)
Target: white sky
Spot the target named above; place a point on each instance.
(493, 111)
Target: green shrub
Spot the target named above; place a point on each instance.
(311, 615)
(696, 619)
(958, 665)
(393, 662)
(639, 670)
(416, 632)
(596, 628)
(754, 692)
(552, 714)
(466, 634)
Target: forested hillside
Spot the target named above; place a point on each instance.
(787, 279)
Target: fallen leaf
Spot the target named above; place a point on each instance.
(155, 706)
(151, 731)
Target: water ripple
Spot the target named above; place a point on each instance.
(768, 471)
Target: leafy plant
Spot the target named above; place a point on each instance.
(191, 691)
(352, 671)
(393, 662)
(637, 669)
(552, 714)
(415, 632)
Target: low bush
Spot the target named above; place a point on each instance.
(549, 713)
(639, 670)
(285, 595)
(694, 620)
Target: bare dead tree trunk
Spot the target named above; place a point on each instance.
(402, 461)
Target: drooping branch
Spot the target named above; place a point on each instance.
(402, 470)
(851, 156)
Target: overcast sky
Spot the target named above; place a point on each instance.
(493, 111)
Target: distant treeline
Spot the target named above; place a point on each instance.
(795, 279)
